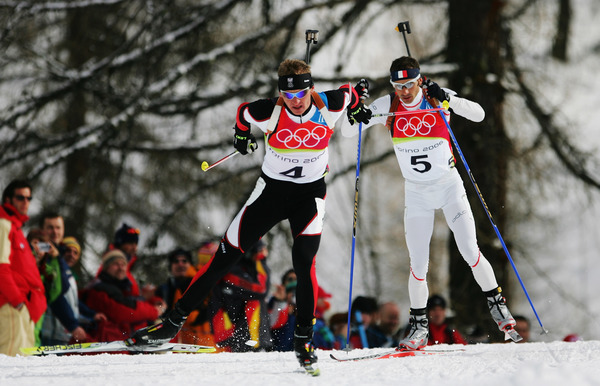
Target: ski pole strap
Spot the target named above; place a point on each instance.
(323, 110)
(389, 123)
(275, 116)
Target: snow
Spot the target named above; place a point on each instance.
(555, 363)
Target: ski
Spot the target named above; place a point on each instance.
(311, 370)
(117, 346)
(394, 354)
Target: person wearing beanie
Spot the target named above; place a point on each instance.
(110, 294)
(118, 270)
(126, 240)
(441, 329)
(364, 312)
(71, 250)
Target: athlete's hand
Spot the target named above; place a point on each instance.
(362, 89)
(433, 90)
(244, 142)
(360, 113)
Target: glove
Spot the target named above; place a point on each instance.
(360, 113)
(435, 91)
(362, 89)
(244, 142)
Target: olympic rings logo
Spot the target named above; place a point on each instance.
(416, 125)
(302, 136)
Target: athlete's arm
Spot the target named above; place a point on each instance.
(466, 108)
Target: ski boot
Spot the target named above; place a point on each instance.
(501, 314)
(304, 349)
(159, 333)
(419, 331)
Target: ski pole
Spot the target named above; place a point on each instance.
(404, 27)
(489, 215)
(312, 35)
(205, 167)
(354, 235)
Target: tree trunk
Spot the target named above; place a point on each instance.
(561, 38)
(475, 44)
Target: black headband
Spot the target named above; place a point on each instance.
(295, 82)
(409, 73)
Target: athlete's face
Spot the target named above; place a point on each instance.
(300, 100)
(407, 90)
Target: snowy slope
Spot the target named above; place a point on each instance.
(557, 363)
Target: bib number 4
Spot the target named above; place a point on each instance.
(420, 164)
(295, 172)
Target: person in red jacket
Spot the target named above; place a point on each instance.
(440, 329)
(109, 294)
(22, 299)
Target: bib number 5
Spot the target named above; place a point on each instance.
(420, 164)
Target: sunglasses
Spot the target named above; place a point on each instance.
(300, 94)
(407, 85)
(20, 197)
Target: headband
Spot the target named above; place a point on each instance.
(295, 82)
(410, 73)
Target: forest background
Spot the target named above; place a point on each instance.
(110, 106)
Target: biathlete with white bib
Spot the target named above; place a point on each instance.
(423, 148)
(297, 127)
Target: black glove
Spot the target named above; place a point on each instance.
(435, 91)
(362, 89)
(360, 113)
(244, 142)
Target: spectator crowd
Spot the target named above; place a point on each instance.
(42, 302)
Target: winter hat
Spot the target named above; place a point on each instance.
(322, 293)
(111, 256)
(179, 252)
(364, 304)
(435, 301)
(126, 234)
(72, 242)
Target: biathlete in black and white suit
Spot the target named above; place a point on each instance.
(297, 127)
(423, 148)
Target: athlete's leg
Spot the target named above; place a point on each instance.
(307, 225)
(460, 220)
(418, 228)
(306, 221)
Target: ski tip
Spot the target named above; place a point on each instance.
(312, 370)
(31, 351)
